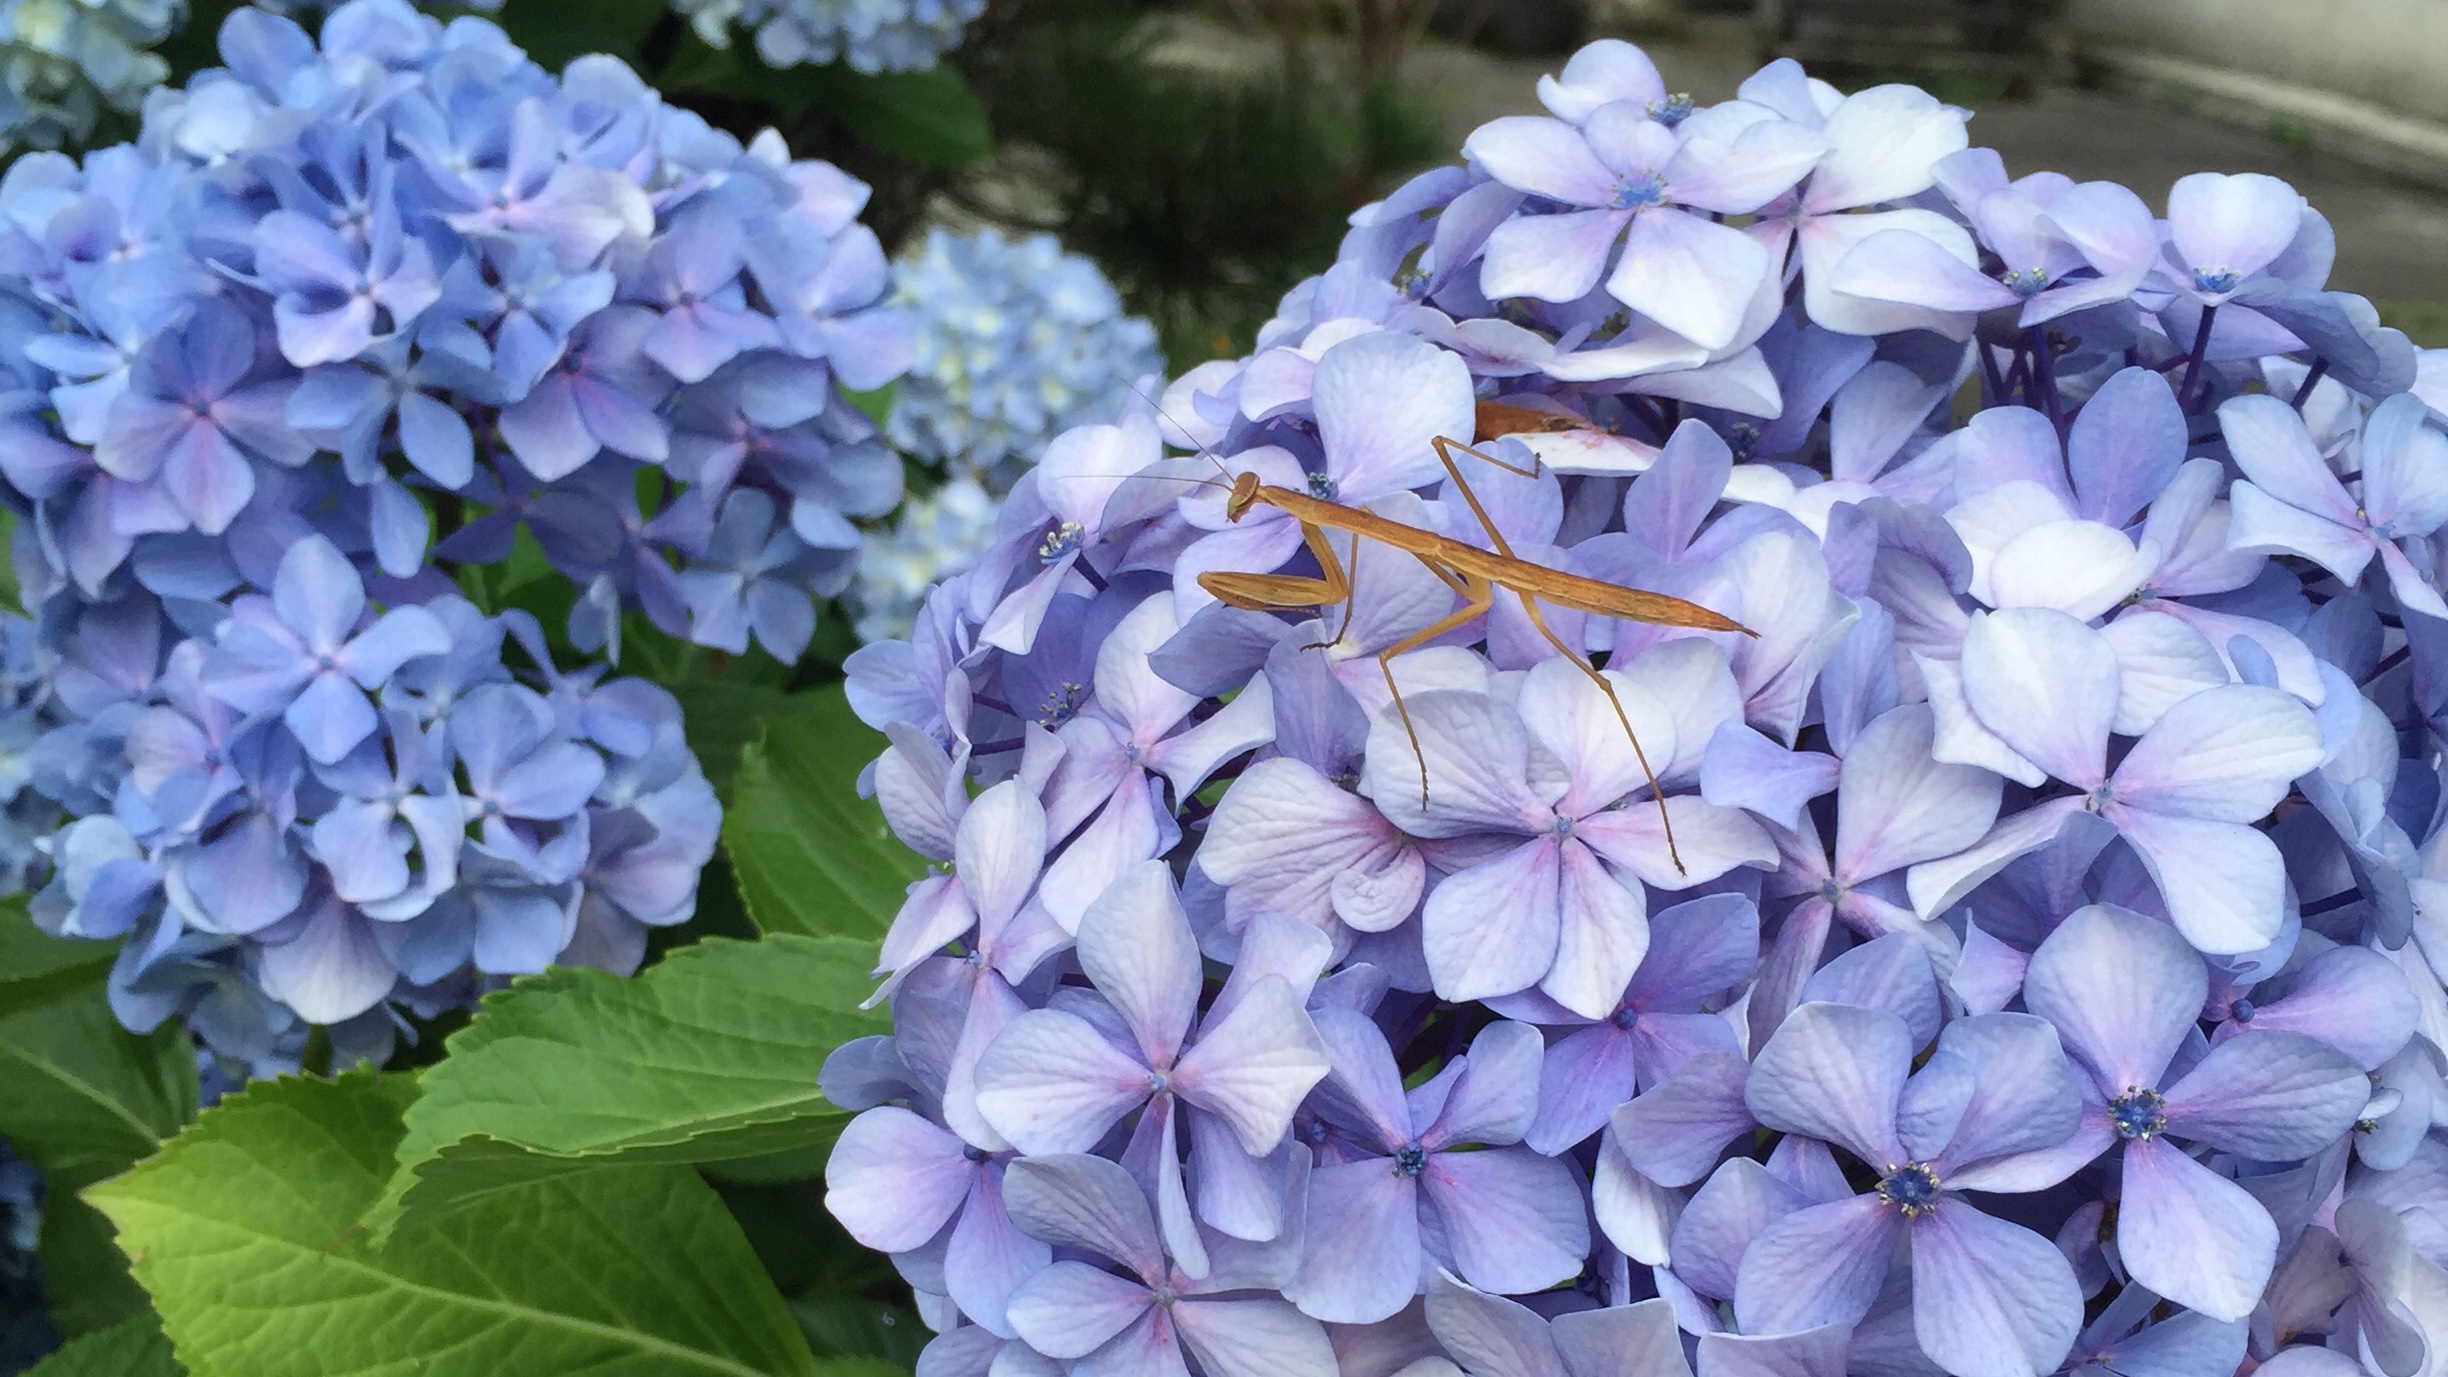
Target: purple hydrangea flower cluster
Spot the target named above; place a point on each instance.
(345, 324)
(2018, 954)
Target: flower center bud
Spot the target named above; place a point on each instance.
(1912, 1188)
(1563, 828)
(1672, 110)
(1410, 1159)
(1159, 1082)
(1061, 541)
(1322, 487)
(2138, 1113)
(1625, 1018)
(973, 1152)
(1633, 193)
(2216, 279)
(1061, 705)
(2242, 1011)
(2026, 281)
(1163, 1295)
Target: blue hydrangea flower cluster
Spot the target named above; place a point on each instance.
(2016, 951)
(1017, 342)
(870, 35)
(62, 62)
(345, 323)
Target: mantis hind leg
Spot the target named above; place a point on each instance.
(1579, 662)
(1482, 595)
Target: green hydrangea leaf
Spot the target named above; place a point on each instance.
(709, 1056)
(36, 968)
(130, 1348)
(245, 1231)
(811, 855)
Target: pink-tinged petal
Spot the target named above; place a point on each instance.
(2192, 1235)
(1360, 1254)
(1822, 1265)
(1990, 1299)
(2081, 568)
(1673, 1131)
(1896, 806)
(2260, 524)
(1883, 145)
(2127, 443)
(1636, 1340)
(1819, 1352)
(1151, 1347)
(2046, 684)
(1492, 929)
(2024, 1097)
(1496, 1096)
(1549, 257)
(1380, 399)
(1136, 947)
(894, 1179)
(2123, 991)
(1691, 275)
(1495, 1336)
(1717, 1227)
(988, 1258)
(2272, 1096)
(1939, 885)
(2352, 998)
(2232, 224)
(1834, 1072)
(2224, 883)
(1899, 265)
(1254, 1338)
(2269, 442)
(1568, 714)
(1543, 156)
(1052, 1083)
(1601, 935)
(1708, 841)
(1253, 1066)
(1071, 1309)
(2160, 661)
(1514, 1220)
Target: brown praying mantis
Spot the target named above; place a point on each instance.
(1472, 573)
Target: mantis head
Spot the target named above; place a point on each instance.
(1244, 492)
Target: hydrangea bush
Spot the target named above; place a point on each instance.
(1017, 342)
(869, 35)
(353, 336)
(2013, 954)
(64, 62)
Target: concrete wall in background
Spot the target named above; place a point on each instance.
(2365, 79)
